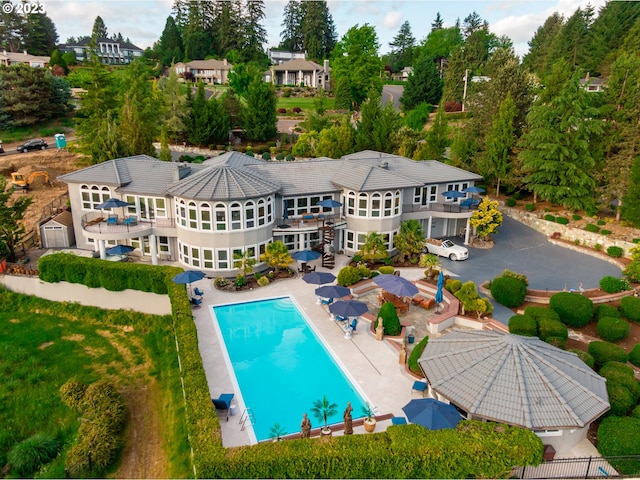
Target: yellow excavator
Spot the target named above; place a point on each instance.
(21, 182)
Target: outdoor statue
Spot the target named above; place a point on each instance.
(379, 330)
(305, 426)
(348, 420)
(403, 356)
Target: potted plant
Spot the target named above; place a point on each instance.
(322, 410)
(276, 432)
(369, 419)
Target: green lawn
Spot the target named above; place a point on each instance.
(47, 129)
(305, 103)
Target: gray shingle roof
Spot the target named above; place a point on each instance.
(516, 380)
(365, 178)
(302, 177)
(296, 64)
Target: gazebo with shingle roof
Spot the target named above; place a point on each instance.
(517, 380)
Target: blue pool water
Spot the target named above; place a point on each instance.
(281, 366)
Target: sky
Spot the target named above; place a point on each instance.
(143, 20)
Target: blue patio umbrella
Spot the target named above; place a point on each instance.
(112, 203)
(120, 250)
(438, 299)
(432, 413)
(348, 308)
(188, 277)
(319, 278)
(397, 285)
(332, 291)
(473, 189)
(453, 194)
(306, 255)
(330, 203)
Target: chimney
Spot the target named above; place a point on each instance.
(25, 52)
(224, 62)
(182, 171)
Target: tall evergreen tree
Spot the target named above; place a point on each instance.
(613, 23)
(402, 48)
(12, 212)
(499, 142)
(99, 29)
(198, 128)
(12, 27)
(574, 41)
(40, 35)
(174, 102)
(437, 138)
(538, 58)
(260, 119)
(556, 149)
(423, 85)
(356, 62)
(377, 126)
(291, 38)
(220, 121)
(255, 34)
(438, 23)
(170, 48)
(318, 31)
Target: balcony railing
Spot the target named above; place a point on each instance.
(99, 222)
(437, 207)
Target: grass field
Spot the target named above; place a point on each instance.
(39, 352)
(47, 129)
(305, 103)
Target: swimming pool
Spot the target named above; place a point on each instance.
(281, 366)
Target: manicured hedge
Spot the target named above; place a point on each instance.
(347, 276)
(590, 227)
(623, 374)
(404, 451)
(508, 291)
(550, 330)
(584, 356)
(611, 284)
(612, 329)
(634, 355)
(562, 220)
(620, 399)
(630, 308)
(619, 436)
(603, 352)
(386, 269)
(615, 252)
(523, 325)
(574, 309)
(604, 310)
(550, 218)
(541, 312)
(414, 356)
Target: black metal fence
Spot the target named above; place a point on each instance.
(587, 467)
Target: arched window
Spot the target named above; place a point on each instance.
(269, 210)
(396, 205)
(182, 213)
(205, 216)
(351, 203)
(376, 204)
(362, 204)
(388, 204)
(94, 196)
(249, 215)
(236, 216)
(193, 216)
(221, 217)
(261, 212)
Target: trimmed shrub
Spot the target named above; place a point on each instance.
(390, 319)
(508, 291)
(634, 355)
(31, 454)
(584, 356)
(296, 110)
(630, 308)
(615, 252)
(623, 374)
(598, 247)
(347, 276)
(605, 232)
(263, 281)
(266, 156)
(72, 393)
(601, 222)
(620, 436)
(523, 325)
(386, 270)
(282, 110)
(290, 158)
(576, 217)
(590, 227)
(620, 398)
(538, 313)
(557, 342)
(529, 207)
(550, 218)
(612, 329)
(511, 202)
(280, 156)
(604, 310)
(562, 220)
(611, 284)
(574, 309)
(414, 356)
(636, 412)
(603, 352)
(549, 328)
(453, 285)
(519, 276)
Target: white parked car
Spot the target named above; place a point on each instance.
(445, 248)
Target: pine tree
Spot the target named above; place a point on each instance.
(318, 32)
(198, 129)
(500, 141)
(291, 38)
(402, 48)
(260, 119)
(556, 152)
(437, 139)
(538, 58)
(377, 126)
(170, 48)
(174, 102)
(40, 35)
(255, 34)
(438, 23)
(165, 151)
(423, 86)
(99, 29)
(220, 121)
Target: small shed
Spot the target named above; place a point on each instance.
(57, 232)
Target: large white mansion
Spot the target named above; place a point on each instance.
(203, 214)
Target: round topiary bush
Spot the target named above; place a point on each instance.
(508, 291)
(630, 308)
(634, 355)
(620, 399)
(390, 319)
(620, 436)
(622, 374)
(590, 227)
(611, 284)
(386, 270)
(541, 312)
(636, 412)
(29, 455)
(584, 356)
(511, 202)
(266, 156)
(574, 309)
(550, 328)
(604, 310)
(603, 352)
(613, 329)
(347, 276)
(562, 220)
(453, 285)
(615, 252)
(523, 325)
(550, 218)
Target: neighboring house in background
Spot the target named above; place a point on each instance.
(203, 214)
(209, 71)
(593, 84)
(403, 75)
(13, 58)
(281, 56)
(300, 72)
(109, 51)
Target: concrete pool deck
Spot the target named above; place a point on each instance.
(373, 364)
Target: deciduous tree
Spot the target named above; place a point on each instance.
(12, 212)
(487, 218)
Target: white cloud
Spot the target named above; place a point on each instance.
(392, 20)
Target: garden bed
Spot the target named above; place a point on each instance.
(229, 284)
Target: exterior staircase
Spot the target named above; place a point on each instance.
(328, 234)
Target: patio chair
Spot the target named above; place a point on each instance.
(196, 302)
(112, 220)
(419, 386)
(131, 221)
(326, 301)
(467, 203)
(198, 292)
(398, 421)
(223, 403)
(354, 324)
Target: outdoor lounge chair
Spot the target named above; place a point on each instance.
(131, 221)
(467, 203)
(198, 292)
(398, 421)
(223, 403)
(196, 302)
(419, 386)
(326, 301)
(112, 220)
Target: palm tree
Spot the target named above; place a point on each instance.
(276, 255)
(322, 410)
(244, 261)
(373, 247)
(410, 240)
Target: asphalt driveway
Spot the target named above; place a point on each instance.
(521, 249)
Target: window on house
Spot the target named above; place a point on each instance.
(362, 205)
(236, 216)
(193, 216)
(250, 212)
(205, 216)
(351, 204)
(207, 258)
(223, 259)
(221, 217)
